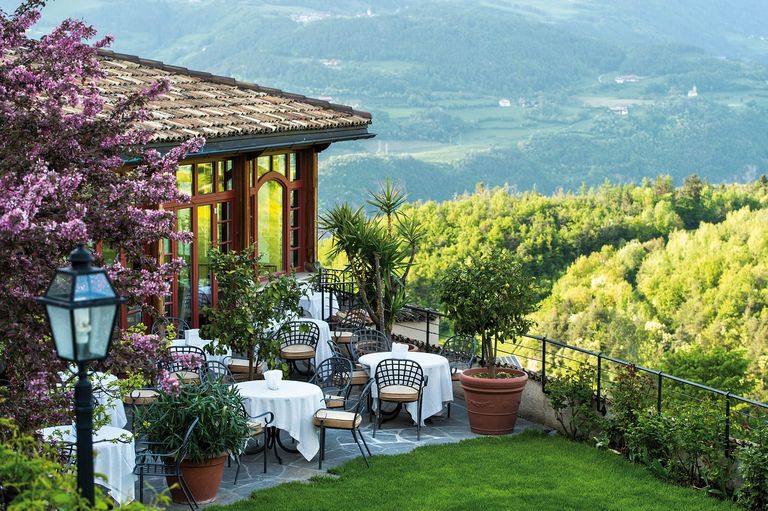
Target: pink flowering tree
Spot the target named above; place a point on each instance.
(63, 180)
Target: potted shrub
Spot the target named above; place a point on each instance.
(251, 304)
(221, 429)
(489, 296)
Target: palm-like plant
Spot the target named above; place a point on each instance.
(379, 249)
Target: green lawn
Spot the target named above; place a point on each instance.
(527, 472)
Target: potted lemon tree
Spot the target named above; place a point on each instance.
(490, 297)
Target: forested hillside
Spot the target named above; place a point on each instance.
(670, 277)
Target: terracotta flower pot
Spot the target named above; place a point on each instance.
(492, 403)
(203, 480)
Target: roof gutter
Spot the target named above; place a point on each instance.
(261, 142)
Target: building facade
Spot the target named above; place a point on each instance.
(253, 183)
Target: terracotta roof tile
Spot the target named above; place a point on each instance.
(216, 106)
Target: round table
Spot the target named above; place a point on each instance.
(318, 304)
(293, 404)
(114, 457)
(439, 389)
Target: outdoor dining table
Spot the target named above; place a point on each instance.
(318, 304)
(436, 368)
(107, 395)
(293, 403)
(114, 457)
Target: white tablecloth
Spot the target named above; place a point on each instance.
(192, 339)
(112, 458)
(318, 305)
(293, 404)
(439, 389)
(323, 351)
(109, 399)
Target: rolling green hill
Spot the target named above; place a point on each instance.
(499, 91)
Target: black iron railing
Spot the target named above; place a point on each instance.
(545, 356)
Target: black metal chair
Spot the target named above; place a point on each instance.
(255, 428)
(368, 340)
(160, 326)
(346, 324)
(185, 362)
(359, 375)
(334, 377)
(461, 352)
(348, 419)
(215, 371)
(151, 462)
(399, 381)
(298, 341)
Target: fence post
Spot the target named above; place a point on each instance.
(543, 363)
(728, 424)
(598, 398)
(428, 321)
(658, 392)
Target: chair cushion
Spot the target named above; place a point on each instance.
(456, 376)
(334, 401)
(239, 366)
(400, 393)
(141, 397)
(186, 376)
(255, 428)
(336, 419)
(342, 337)
(360, 377)
(297, 352)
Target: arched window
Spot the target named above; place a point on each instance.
(270, 225)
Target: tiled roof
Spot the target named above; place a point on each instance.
(201, 104)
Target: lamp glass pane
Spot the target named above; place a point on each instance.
(92, 286)
(62, 331)
(93, 329)
(61, 286)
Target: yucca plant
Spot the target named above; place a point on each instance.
(379, 249)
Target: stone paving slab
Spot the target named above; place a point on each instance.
(395, 437)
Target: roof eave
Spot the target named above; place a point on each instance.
(261, 142)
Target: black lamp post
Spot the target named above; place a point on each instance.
(81, 306)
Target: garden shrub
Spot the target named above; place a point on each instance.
(573, 400)
(753, 469)
(32, 478)
(631, 394)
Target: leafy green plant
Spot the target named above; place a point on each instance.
(32, 477)
(573, 400)
(753, 468)
(488, 296)
(251, 305)
(380, 251)
(631, 394)
(685, 446)
(221, 427)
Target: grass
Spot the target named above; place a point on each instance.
(530, 471)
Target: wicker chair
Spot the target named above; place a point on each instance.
(399, 381)
(151, 462)
(298, 341)
(348, 419)
(359, 375)
(461, 352)
(334, 377)
(369, 340)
